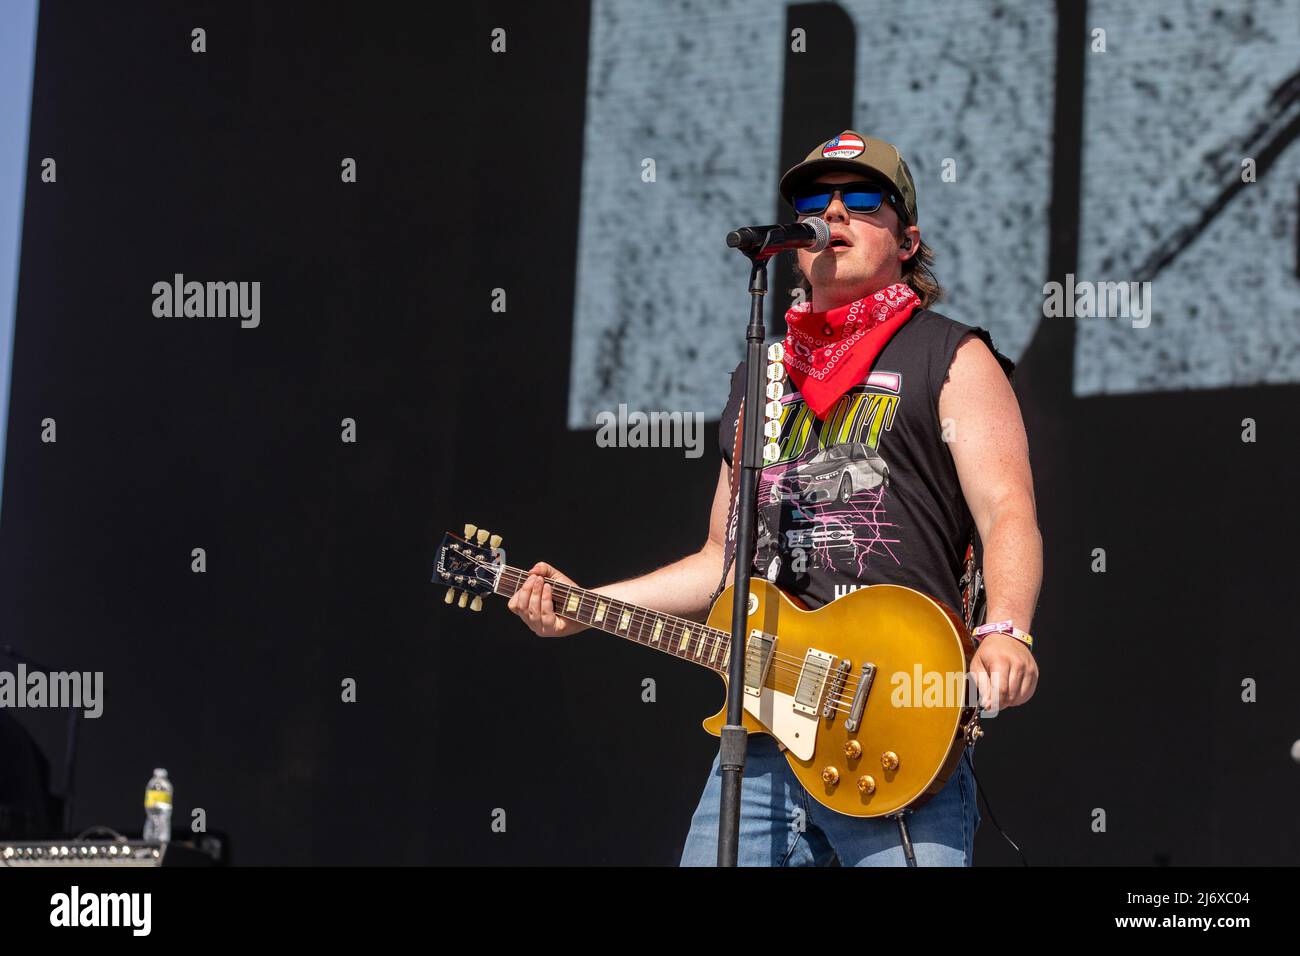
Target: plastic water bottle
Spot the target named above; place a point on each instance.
(158, 808)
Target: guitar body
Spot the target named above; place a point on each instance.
(915, 644)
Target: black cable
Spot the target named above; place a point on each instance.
(979, 792)
(907, 840)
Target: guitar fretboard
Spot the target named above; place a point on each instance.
(689, 640)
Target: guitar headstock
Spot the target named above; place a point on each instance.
(470, 564)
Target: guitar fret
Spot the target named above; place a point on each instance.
(678, 636)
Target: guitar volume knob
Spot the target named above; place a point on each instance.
(866, 785)
(889, 760)
(830, 776)
(852, 749)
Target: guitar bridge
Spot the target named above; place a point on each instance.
(860, 698)
(836, 689)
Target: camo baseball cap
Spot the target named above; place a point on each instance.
(852, 152)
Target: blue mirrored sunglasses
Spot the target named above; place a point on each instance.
(813, 198)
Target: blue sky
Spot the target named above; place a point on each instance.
(17, 55)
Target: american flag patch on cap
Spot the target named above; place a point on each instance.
(844, 146)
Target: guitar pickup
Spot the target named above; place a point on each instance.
(758, 658)
(812, 679)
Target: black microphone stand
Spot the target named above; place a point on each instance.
(731, 750)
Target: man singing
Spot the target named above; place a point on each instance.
(934, 449)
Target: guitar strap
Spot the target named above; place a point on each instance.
(972, 584)
(729, 549)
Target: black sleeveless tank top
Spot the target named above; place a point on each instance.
(870, 494)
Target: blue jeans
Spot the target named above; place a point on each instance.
(781, 825)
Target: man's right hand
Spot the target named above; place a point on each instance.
(532, 602)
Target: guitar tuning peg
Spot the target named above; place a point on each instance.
(451, 596)
(495, 541)
(476, 604)
(464, 599)
(482, 536)
(469, 531)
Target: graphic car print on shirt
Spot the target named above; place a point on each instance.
(822, 503)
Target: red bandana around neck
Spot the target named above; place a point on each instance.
(827, 353)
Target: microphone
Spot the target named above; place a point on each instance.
(812, 234)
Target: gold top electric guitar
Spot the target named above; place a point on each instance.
(868, 695)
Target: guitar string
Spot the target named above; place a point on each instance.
(788, 665)
(842, 696)
(845, 687)
(646, 615)
(709, 645)
(712, 636)
(643, 616)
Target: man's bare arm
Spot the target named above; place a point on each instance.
(991, 452)
(681, 588)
